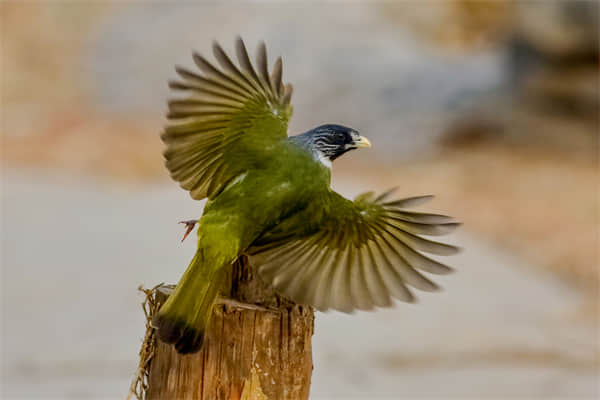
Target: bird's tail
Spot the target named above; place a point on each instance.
(185, 316)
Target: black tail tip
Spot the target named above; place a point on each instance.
(190, 344)
(186, 338)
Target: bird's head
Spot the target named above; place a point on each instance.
(331, 141)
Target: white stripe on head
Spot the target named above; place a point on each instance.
(322, 158)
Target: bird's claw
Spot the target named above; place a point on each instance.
(189, 225)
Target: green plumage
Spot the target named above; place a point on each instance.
(270, 198)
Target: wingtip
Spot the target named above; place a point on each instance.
(182, 71)
(216, 47)
(176, 85)
(438, 289)
(198, 58)
(277, 74)
(240, 45)
(287, 93)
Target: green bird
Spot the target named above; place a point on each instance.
(269, 198)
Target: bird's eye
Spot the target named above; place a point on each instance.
(340, 136)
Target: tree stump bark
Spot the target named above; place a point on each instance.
(258, 346)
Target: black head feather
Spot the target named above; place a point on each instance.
(331, 141)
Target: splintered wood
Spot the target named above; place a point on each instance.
(258, 347)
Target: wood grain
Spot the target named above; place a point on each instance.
(258, 345)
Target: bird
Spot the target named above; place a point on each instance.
(270, 199)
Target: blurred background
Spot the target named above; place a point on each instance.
(491, 106)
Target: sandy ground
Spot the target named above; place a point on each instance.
(74, 251)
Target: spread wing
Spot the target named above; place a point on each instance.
(359, 255)
(227, 122)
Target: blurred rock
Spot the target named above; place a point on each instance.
(552, 96)
(554, 54)
(458, 26)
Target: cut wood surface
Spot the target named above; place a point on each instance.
(258, 346)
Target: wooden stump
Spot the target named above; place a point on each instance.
(258, 346)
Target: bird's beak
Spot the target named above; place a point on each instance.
(362, 141)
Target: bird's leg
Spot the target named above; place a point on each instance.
(189, 225)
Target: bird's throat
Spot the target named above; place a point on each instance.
(322, 158)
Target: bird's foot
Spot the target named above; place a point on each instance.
(189, 225)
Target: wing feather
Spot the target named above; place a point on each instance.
(358, 282)
(230, 116)
(277, 75)
(360, 255)
(287, 93)
(244, 60)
